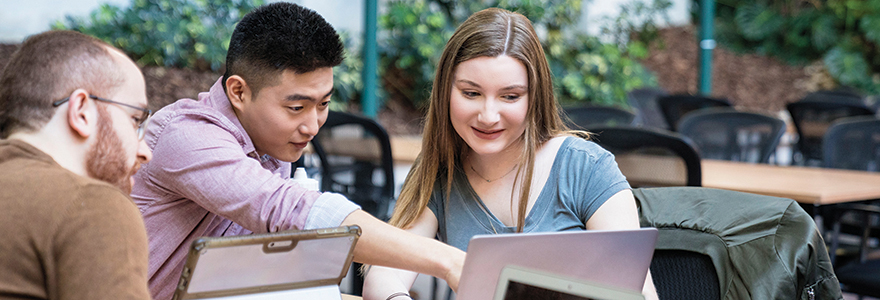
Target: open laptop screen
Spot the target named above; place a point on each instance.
(518, 283)
(618, 258)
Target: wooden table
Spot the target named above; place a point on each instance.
(350, 297)
(816, 186)
(403, 148)
(810, 186)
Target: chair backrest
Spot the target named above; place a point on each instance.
(812, 118)
(674, 107)
(852, 143)
(760, 247)
(873, 103)
(727, 134)
(644, 102)
(860, 274)
(839, 96)
(682, 274)
(587, 116)
(651, 155)
(356, 161)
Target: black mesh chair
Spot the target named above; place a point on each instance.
(727, 134)
(356, 161)
(644, 102)
(586, 116)
(651, 157)
(812, 118)
(873, 103)
(674, 107)
(859, 275)
(852, 143)
(838, 96)
(682, 274)
(719, 244)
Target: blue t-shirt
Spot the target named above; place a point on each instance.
(582, 178)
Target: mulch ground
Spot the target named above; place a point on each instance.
(749, 81)
(166, 85)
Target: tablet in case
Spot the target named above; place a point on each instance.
(296, 264)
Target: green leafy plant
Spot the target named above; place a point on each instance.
(415, 34)
(192, 34)
(179, 33)
(584, 68)
(635, 27)
(195, 34)
(348, 80)
(843, 34)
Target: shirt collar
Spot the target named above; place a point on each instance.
(216, 98)
(22, 148)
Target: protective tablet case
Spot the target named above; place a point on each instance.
(260, 263)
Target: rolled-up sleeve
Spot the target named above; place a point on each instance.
(329, 211)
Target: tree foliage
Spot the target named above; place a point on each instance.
(843, 34)
(190, 34)
(195, 34)
(584, 68)
(179, 33)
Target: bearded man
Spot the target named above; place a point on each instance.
(72, 117)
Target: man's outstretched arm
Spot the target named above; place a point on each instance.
(384, 245)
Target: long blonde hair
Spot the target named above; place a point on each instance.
(487, 33)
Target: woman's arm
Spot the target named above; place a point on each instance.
(382, 281)
(620, 212)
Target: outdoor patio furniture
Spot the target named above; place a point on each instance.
(812, 118)
(633, 148)
(586, 116)
(644, 102)
(728, 134)
(852, 143)
(674, 107)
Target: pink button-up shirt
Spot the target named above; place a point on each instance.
(206, 179)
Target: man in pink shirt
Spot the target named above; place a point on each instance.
(221, 163)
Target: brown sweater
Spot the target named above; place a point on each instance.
(65, 236)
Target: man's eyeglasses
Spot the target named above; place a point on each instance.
(140, 122)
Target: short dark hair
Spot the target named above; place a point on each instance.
(48, 67)
(277, 37)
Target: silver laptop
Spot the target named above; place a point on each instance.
(518, 283)
(307, 264)
(616, 258)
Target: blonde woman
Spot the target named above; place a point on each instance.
(496, 156)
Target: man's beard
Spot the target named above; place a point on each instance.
(106, 161)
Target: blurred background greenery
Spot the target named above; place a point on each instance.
(842, 34)
(195, 34)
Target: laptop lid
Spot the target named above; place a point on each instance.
(303, 264)
(518, 283)
(617, 258)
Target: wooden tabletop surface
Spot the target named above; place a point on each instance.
(817, 186)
